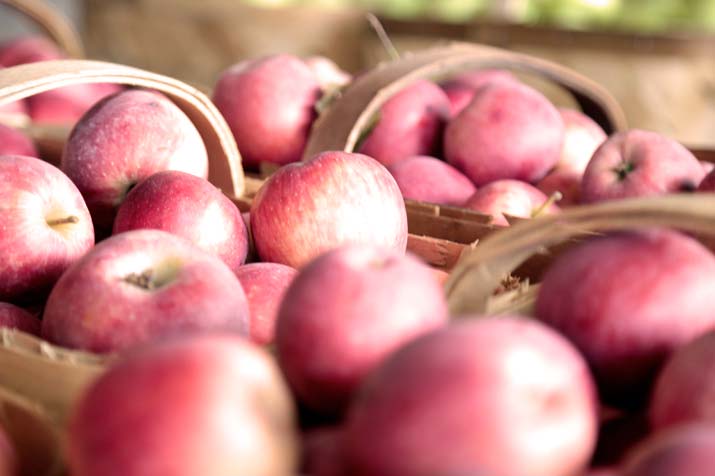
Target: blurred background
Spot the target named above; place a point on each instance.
(657, 57)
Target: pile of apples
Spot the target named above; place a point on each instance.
(333, 353)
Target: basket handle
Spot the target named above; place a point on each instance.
(340, 125)
(225, 169)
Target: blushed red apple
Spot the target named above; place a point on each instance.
(189, 207)
(582, 136)
(708, 183)
(337, 198)
(212, 406)
(430, 180)
(461, 88)
(565, 182)
(141, 286)
(485, 396)
(14, 142)
(14, 317)
(46, 227)
(509, 197)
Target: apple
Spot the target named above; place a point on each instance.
(510, 197)
(345, 312)
(14, 317)
(327, 73)
(140, 286)
(686, 450)
(685, 388)
(708, 183)
(124, 139)
(508, 131)
(336, 198)
(707, 166)
(269, 105)
(602, 472)
(265, 285)
(14, 142)
(322, 452)
(628, 300)
(639, 163)
(189, 207)
(211, 405)
(430, 180)
(566, 182)
(486, 396)
(409, 123)
(45, 227)
(28, 49)
(461, 88)
(582, 136)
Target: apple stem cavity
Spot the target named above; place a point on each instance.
(553, 198)
(63, 221)
(383, 37)
(142, 280)
(623, 170)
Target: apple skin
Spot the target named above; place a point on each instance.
(685, 389)
(15, 317)
(265, 285)
(345, 312)
(508, 131)
(476, 398)
(410, 123)
(708, 183)
(322, 452)
(430, 180)
(564, 181)
(14, 142)
(134, 419)
(328, 74)
(34, 252)
(101, 304)
(337, 198)
(639, 163)
(628, 301)
(124, 139)
(461, 89)
(707, 166)
(684, 450)
(582, 136)
(511, 197)
(269, 106)
(189, 207)
(603, 472)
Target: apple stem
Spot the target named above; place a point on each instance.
(142, 280)
(63, 221)
(383, 37)
(553, 198)
(623, 170)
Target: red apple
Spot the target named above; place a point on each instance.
(265, 285)
(14, 142)
(461, 89)
(430, 180)
(322, 452)
(189, 207)
(14, 317)
(627, 301)
(685, 389)
(345, 312)
(508, 131)
(683, 451)
(212, 406)
(708, 183)
(45, 227)
(336, 198)
(410, 123)
(28, 49)
(142, 286)
(637, 164)
(582, 136)
(565, 182)
(509, 197)
(269, 105)
(124, 139)
(327, 73)
(487, 396)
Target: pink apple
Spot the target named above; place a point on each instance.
(28, 49)
(322, 452)
(212, 406)
(336, 198)
(509, 197)
(628, 301)
(683, 451)
(265, 285)
(15, 317)
(565, 182)
(345, 312)
(582, 136)
(269, 105)
(430, 180)
(508, 131)
(124, 139)
(410, 123)
(461, 89)
(486, 396)
(637, 164)
(14, 142)
(46, 227)
(189, 207)
(708, 183)
(327, 73)
(143, 286)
